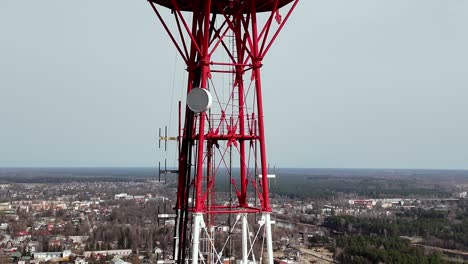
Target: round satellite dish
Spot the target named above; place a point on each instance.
(199, 100)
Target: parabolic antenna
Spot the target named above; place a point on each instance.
(199, 100)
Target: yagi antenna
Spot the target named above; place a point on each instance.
(165, 138)
(159, 137)
(165, 171)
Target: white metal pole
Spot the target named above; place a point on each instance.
(197, 226)
(176, 238)
(245, 236)
(269, 240)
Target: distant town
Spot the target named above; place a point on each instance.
(101, 217)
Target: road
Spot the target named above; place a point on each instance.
(445, 250)
(317, 255)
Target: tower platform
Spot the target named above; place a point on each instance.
(225, 6)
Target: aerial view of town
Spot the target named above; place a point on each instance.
(234, 132)
(106, 215)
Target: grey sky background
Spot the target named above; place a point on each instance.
(349, 84)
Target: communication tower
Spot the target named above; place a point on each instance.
(223, 207)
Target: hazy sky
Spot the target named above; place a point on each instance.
(349, 84)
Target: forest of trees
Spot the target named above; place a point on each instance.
(326, 187)
(438, 228)
(131, 227)
(373, 249)
(379, 240)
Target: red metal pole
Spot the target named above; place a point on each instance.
(264, 52)
(240, 83)
(205, 68)
(185, 158)
(168, 31)
(257, 64)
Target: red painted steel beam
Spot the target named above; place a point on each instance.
(238, 137)
(263, 52)
(229, 6)
(257, 61)
(204, 19)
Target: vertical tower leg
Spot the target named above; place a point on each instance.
(198, 224)
(245, 234)
(269, 240)
(264, 168)
(176, 236)
(200, 207)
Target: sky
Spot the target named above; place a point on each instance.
(348, 84)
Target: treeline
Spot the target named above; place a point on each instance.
(373, 249)
(438, 228)
(65, 175)
(134, 237)
(133, 226)
(71, 178)
(326, 187)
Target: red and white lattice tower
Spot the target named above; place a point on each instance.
(221, 145)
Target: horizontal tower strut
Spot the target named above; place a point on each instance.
(227, 6)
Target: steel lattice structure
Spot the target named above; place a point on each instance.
(223, 43)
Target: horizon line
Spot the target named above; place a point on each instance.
(285, 167)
